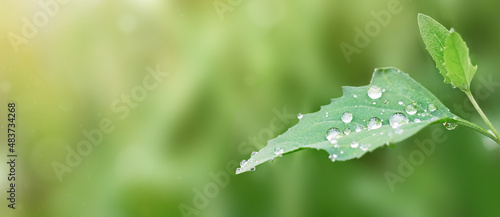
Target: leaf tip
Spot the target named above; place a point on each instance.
(421, 18)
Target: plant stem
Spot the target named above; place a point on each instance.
(481, 113)
(477, 128)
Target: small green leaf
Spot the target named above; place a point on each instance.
(434, 35)
(457, 62)
(392, 108)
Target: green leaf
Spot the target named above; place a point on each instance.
(434, 35)
(392, 94)
(457, 62)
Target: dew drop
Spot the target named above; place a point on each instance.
(450, 126)
(417, 120)
(365, 147)
(374, 92)
(374, 123)
(354, 144)
(398, 119)
(386, 101)
(346, 117)
(238, 170)
(432, 107)
(374, 103)
(300, 116)
(355, 96)
(347, 131)
(333, 134)
(358, 128)
(326, 115)
(253, 153)
(400, 102)
(341, 152)
(278, 151)
(333, 157)
(253, 169)
(243, 163)
(410, 109)
(399, 131)
(434, 119)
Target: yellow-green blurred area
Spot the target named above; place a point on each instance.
(227, 81)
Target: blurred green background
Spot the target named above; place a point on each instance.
(227, 78)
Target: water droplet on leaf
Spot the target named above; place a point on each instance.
(374, 92)
(300, 115)
(333, 134)
(333, 157)
(365, 147)
(432, 107)
(410, 109)
(347, 131)
(450, 126)
(278, 151)
(374, 123)
(397, 120)
(243, 163)
(354, 144)
(346, 117)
